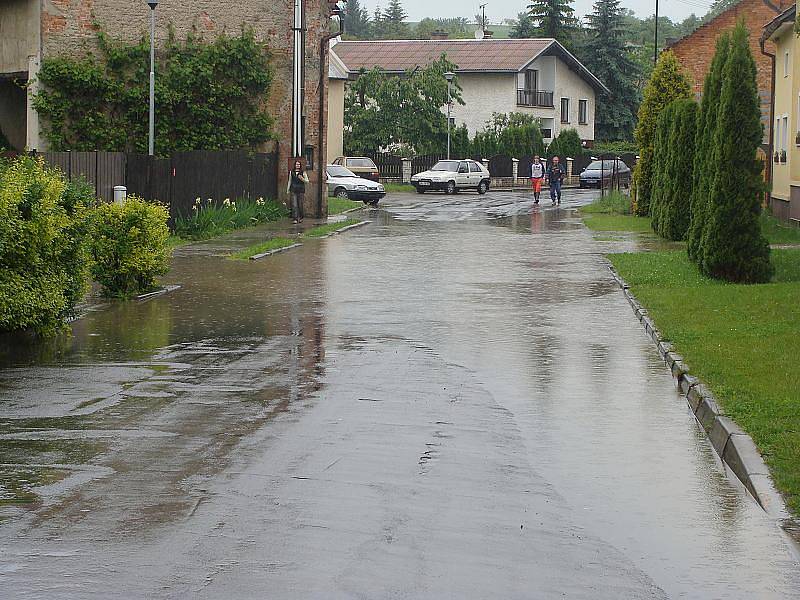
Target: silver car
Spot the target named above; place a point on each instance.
(343, 183)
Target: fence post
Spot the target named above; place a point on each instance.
(407, 170)
(485, 162)
(569, 167)
(514, 171)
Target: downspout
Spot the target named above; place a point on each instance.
(771, 144)
(322, 162)
(297, 83)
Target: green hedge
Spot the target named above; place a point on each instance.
(43, 257)
(129, 246)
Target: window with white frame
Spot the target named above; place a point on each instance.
(565, 110)
(786, 64)
(583, 112)
(785, 145)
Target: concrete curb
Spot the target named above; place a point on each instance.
(276, 251)
(159, 292)
(735, 448)
(343, 229)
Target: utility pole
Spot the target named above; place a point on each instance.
(483, 19)
(449, 76)
(152, 130)
(655, 54)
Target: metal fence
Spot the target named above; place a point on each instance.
(389, 165)
(178, 180)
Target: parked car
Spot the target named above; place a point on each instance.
(605, 169)
(360, 165)
(343, 183)
(451, 176)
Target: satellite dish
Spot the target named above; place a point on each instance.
(479, 34)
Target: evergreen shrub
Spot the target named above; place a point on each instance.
(43, 257)
(129, 246)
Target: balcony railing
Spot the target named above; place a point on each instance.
(535, 98)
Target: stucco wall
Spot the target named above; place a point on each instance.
(69, 29)
(19, 34)
(335, 119)
(487, 93)
(785, 102)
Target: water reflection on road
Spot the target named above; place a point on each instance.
(455, 401)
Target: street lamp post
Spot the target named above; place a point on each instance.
(449, 76)
(152, 132)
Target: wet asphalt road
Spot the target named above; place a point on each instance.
(455, 401)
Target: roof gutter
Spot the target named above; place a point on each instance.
(771, 139)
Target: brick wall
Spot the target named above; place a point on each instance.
(696, 51)
(69, 28)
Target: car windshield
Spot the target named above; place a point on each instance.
(606, 165)
(337, 171)
(446, 165)
(362, 163)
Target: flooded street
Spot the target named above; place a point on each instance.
(455, 401)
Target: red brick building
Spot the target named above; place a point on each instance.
(32, 30)
(696, 50)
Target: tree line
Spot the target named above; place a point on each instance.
(612, 42)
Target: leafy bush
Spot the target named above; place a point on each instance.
(567, 144)
(42, 246)
(514, 134)
(209, 96)
(129, 246)
(209, 219)
(617, 148)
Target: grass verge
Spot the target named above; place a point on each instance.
(742, 340)
(324, 230)
(337, 206)
(399, 187)
(778, 233)
(272, 244)
(603, 222)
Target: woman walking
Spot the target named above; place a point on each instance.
(297, 191)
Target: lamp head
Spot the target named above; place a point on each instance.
(152, 4)
(449, 76)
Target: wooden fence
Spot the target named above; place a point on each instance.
(178, 180)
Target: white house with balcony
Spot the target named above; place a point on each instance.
(535, 76)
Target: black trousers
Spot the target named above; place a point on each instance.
(296, 204)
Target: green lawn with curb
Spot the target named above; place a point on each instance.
(324, 230)
(272, 244)
(337, 206)
(742, 340)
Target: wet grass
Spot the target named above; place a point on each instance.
(405, 188)
(779, 233)
(605, 222)
(742, 340)
(337, 206)
(614, 203)
(323, 230)
(273, 244)
(18, 484)
(209, 219)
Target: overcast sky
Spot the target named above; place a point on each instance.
(497, 10)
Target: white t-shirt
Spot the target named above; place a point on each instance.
(537, 170)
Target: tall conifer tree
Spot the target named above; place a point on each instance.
(554, 19)
(734, 248)
(606, 56)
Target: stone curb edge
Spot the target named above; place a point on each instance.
(276, 251)
(159, 292)
(735, 448)
(343, 229)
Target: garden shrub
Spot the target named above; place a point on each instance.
(42, 246)
(567, 144)
(661, 156)
(667, 83)
(209, 219)
(705, 163)
(129, 246)
(734, 248)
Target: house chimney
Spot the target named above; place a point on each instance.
(487, 35)
(439, 34)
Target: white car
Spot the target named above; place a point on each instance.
(451, 176)
(343, 183)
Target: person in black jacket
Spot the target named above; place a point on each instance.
(555, 178)
(297, 191)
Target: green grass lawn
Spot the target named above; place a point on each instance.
(337, 206)
(603, 222)
(324, 230)
(743, 341)
(777, 232)
(399, 187)
(273, 244)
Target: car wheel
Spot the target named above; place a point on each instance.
(451, 188)
(420, 191)
(374, 203)
(483, 187)
(341, 193)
